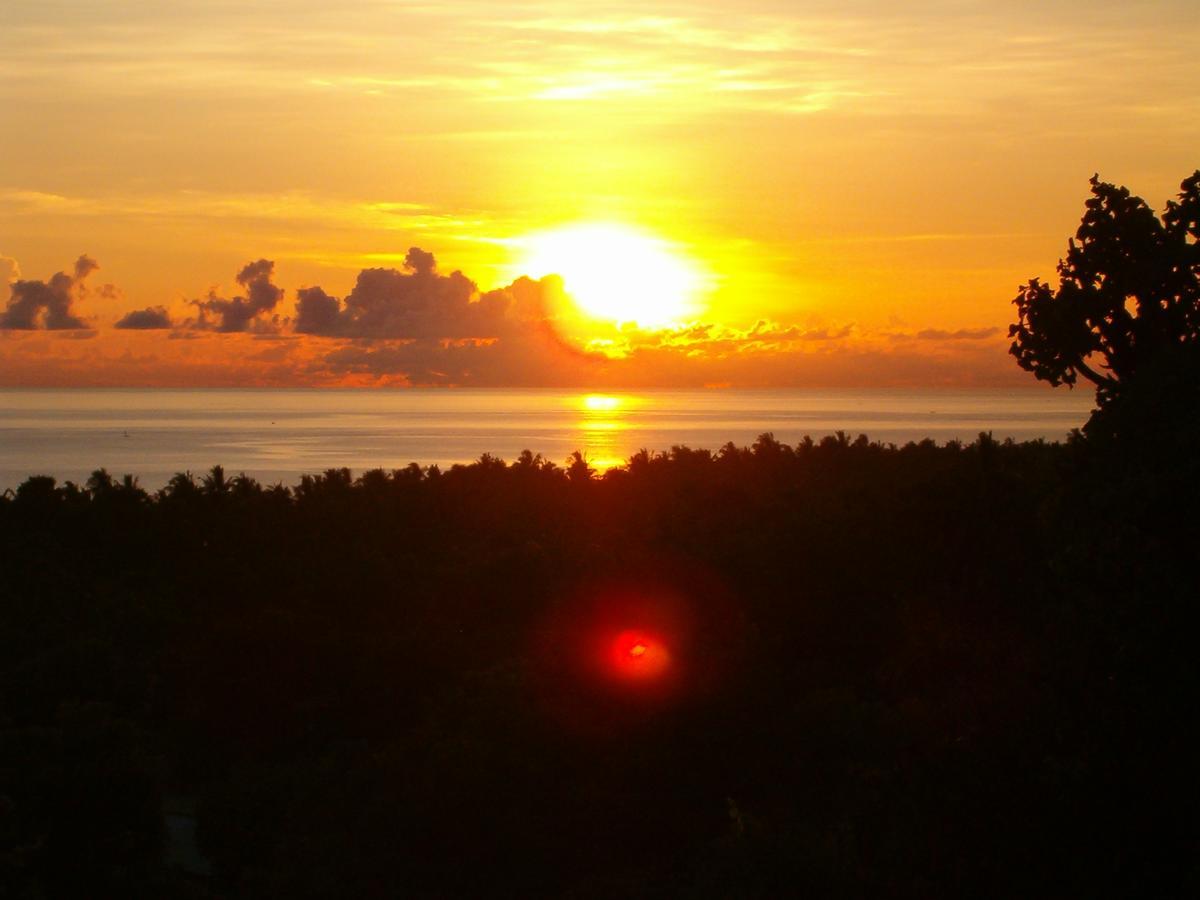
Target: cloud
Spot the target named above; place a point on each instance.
(419, 326)
(9, 270)
(317, 312)
(711, 339)
(149, 318)
(962, 334)
(48, 304)
(418, 303)
(246, 313)
(532, 357)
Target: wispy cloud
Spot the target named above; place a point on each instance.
(901, 59)
(292, 208)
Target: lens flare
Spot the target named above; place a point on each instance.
(636, 656)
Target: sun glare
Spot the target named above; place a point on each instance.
(601, 403)
(616, 273)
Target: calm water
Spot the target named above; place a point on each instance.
(277, 435)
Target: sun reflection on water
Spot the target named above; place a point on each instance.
(602, 419)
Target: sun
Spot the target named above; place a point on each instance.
(616, 273)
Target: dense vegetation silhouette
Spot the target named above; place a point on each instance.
(924, 670)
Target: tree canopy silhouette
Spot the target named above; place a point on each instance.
(1126, 314)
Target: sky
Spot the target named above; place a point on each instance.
(380, 193)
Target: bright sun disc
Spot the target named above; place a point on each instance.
(616, 273)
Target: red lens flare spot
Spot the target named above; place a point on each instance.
(639, 656)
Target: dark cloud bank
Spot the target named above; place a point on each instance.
(440, 329)
(36, 304)
(419, 304)
(414, 324)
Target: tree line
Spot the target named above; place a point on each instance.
(904, 669)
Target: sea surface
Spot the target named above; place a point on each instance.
(277, 435)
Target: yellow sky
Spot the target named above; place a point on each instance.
(867, 169)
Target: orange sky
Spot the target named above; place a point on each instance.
(859, 187)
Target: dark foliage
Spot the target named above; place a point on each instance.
(917, 671)
(1126, 314)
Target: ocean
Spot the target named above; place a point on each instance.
(277, 435)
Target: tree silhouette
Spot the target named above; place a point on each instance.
(579, 470)
(1126, 314)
